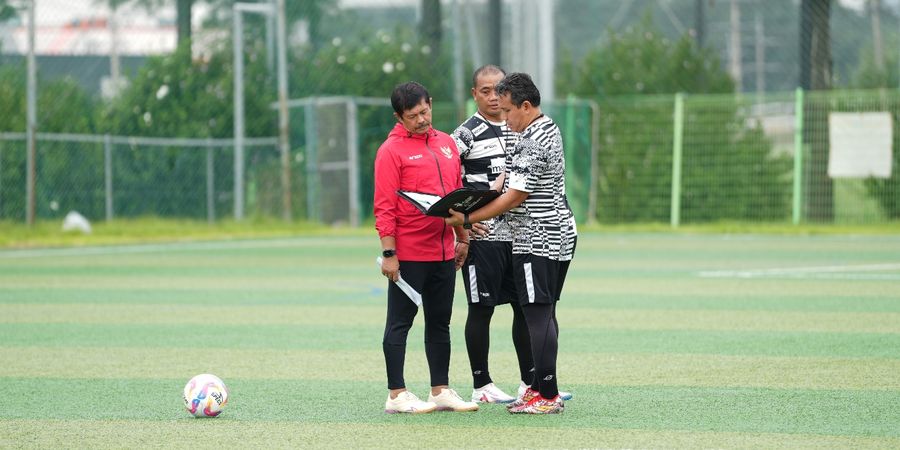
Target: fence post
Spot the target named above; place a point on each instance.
(569, 134)
(312, 163)
(675, 217)
(238, 32)
(798, 156)
(107, 175)
(595, 163)
(1, 179)
(210, 185)
(353, 160)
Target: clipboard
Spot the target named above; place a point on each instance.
(464, 200)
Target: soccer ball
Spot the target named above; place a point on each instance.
(205, 395)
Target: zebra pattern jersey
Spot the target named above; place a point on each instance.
(543, 225)
(482, 149)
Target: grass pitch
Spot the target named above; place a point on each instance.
(666, 341)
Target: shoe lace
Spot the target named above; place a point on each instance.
(453, 394)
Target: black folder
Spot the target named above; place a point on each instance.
(464, 200)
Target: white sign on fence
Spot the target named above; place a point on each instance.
(860, 145)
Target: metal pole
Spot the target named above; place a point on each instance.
(458, 97)
(238, 114)
(546, 47)
(283, 122)
(676, 160)
(472, 35)
(1, 180)
(312, 163)
(114, 62)
(107, 175)
(798, 156)
(270, 36)
(353, 161)
(595, 163)
(31, 117)
(210, 186)
(569, 138)
(495, 39)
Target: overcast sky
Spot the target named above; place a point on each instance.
(58, 12)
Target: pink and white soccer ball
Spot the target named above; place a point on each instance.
(205, 395)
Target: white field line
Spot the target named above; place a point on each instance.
(150, 248)
(848, 272)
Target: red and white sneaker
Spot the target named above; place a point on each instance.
(540, 405)
(490, 393)
(566, 396)
(526, 396)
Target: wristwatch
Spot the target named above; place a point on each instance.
(466, 224)
(389, 253)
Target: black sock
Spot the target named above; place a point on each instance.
(544, 347)
(522, 343)
(478, 342)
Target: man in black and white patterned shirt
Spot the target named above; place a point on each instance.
(487, 273)
(543, 227)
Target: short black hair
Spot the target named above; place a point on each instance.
(486, 69)
(520, 88)
(407, 95)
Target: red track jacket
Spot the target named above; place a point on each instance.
(427, 163)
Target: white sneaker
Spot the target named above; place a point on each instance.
(407, 402)
(565, 396)
(449, 400)
(490, 393)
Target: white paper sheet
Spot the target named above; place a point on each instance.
(404, 286)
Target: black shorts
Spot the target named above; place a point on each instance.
(487, 273)
(538, 279)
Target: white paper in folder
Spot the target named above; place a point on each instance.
(405, 287)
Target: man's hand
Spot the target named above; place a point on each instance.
(390, 267)
(479, 229)
(462, 252)
(456, 218)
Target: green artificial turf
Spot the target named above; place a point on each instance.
(667, 340)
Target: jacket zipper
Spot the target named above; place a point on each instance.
(443, 189)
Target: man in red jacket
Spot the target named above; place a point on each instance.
(416, 157)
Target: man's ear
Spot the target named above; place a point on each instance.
(397, 116)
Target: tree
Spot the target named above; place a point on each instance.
(6, 11)
(173, 95)
(62, 168)
(739, 179)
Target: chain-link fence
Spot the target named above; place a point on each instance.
(104, 177)
(130, 124)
